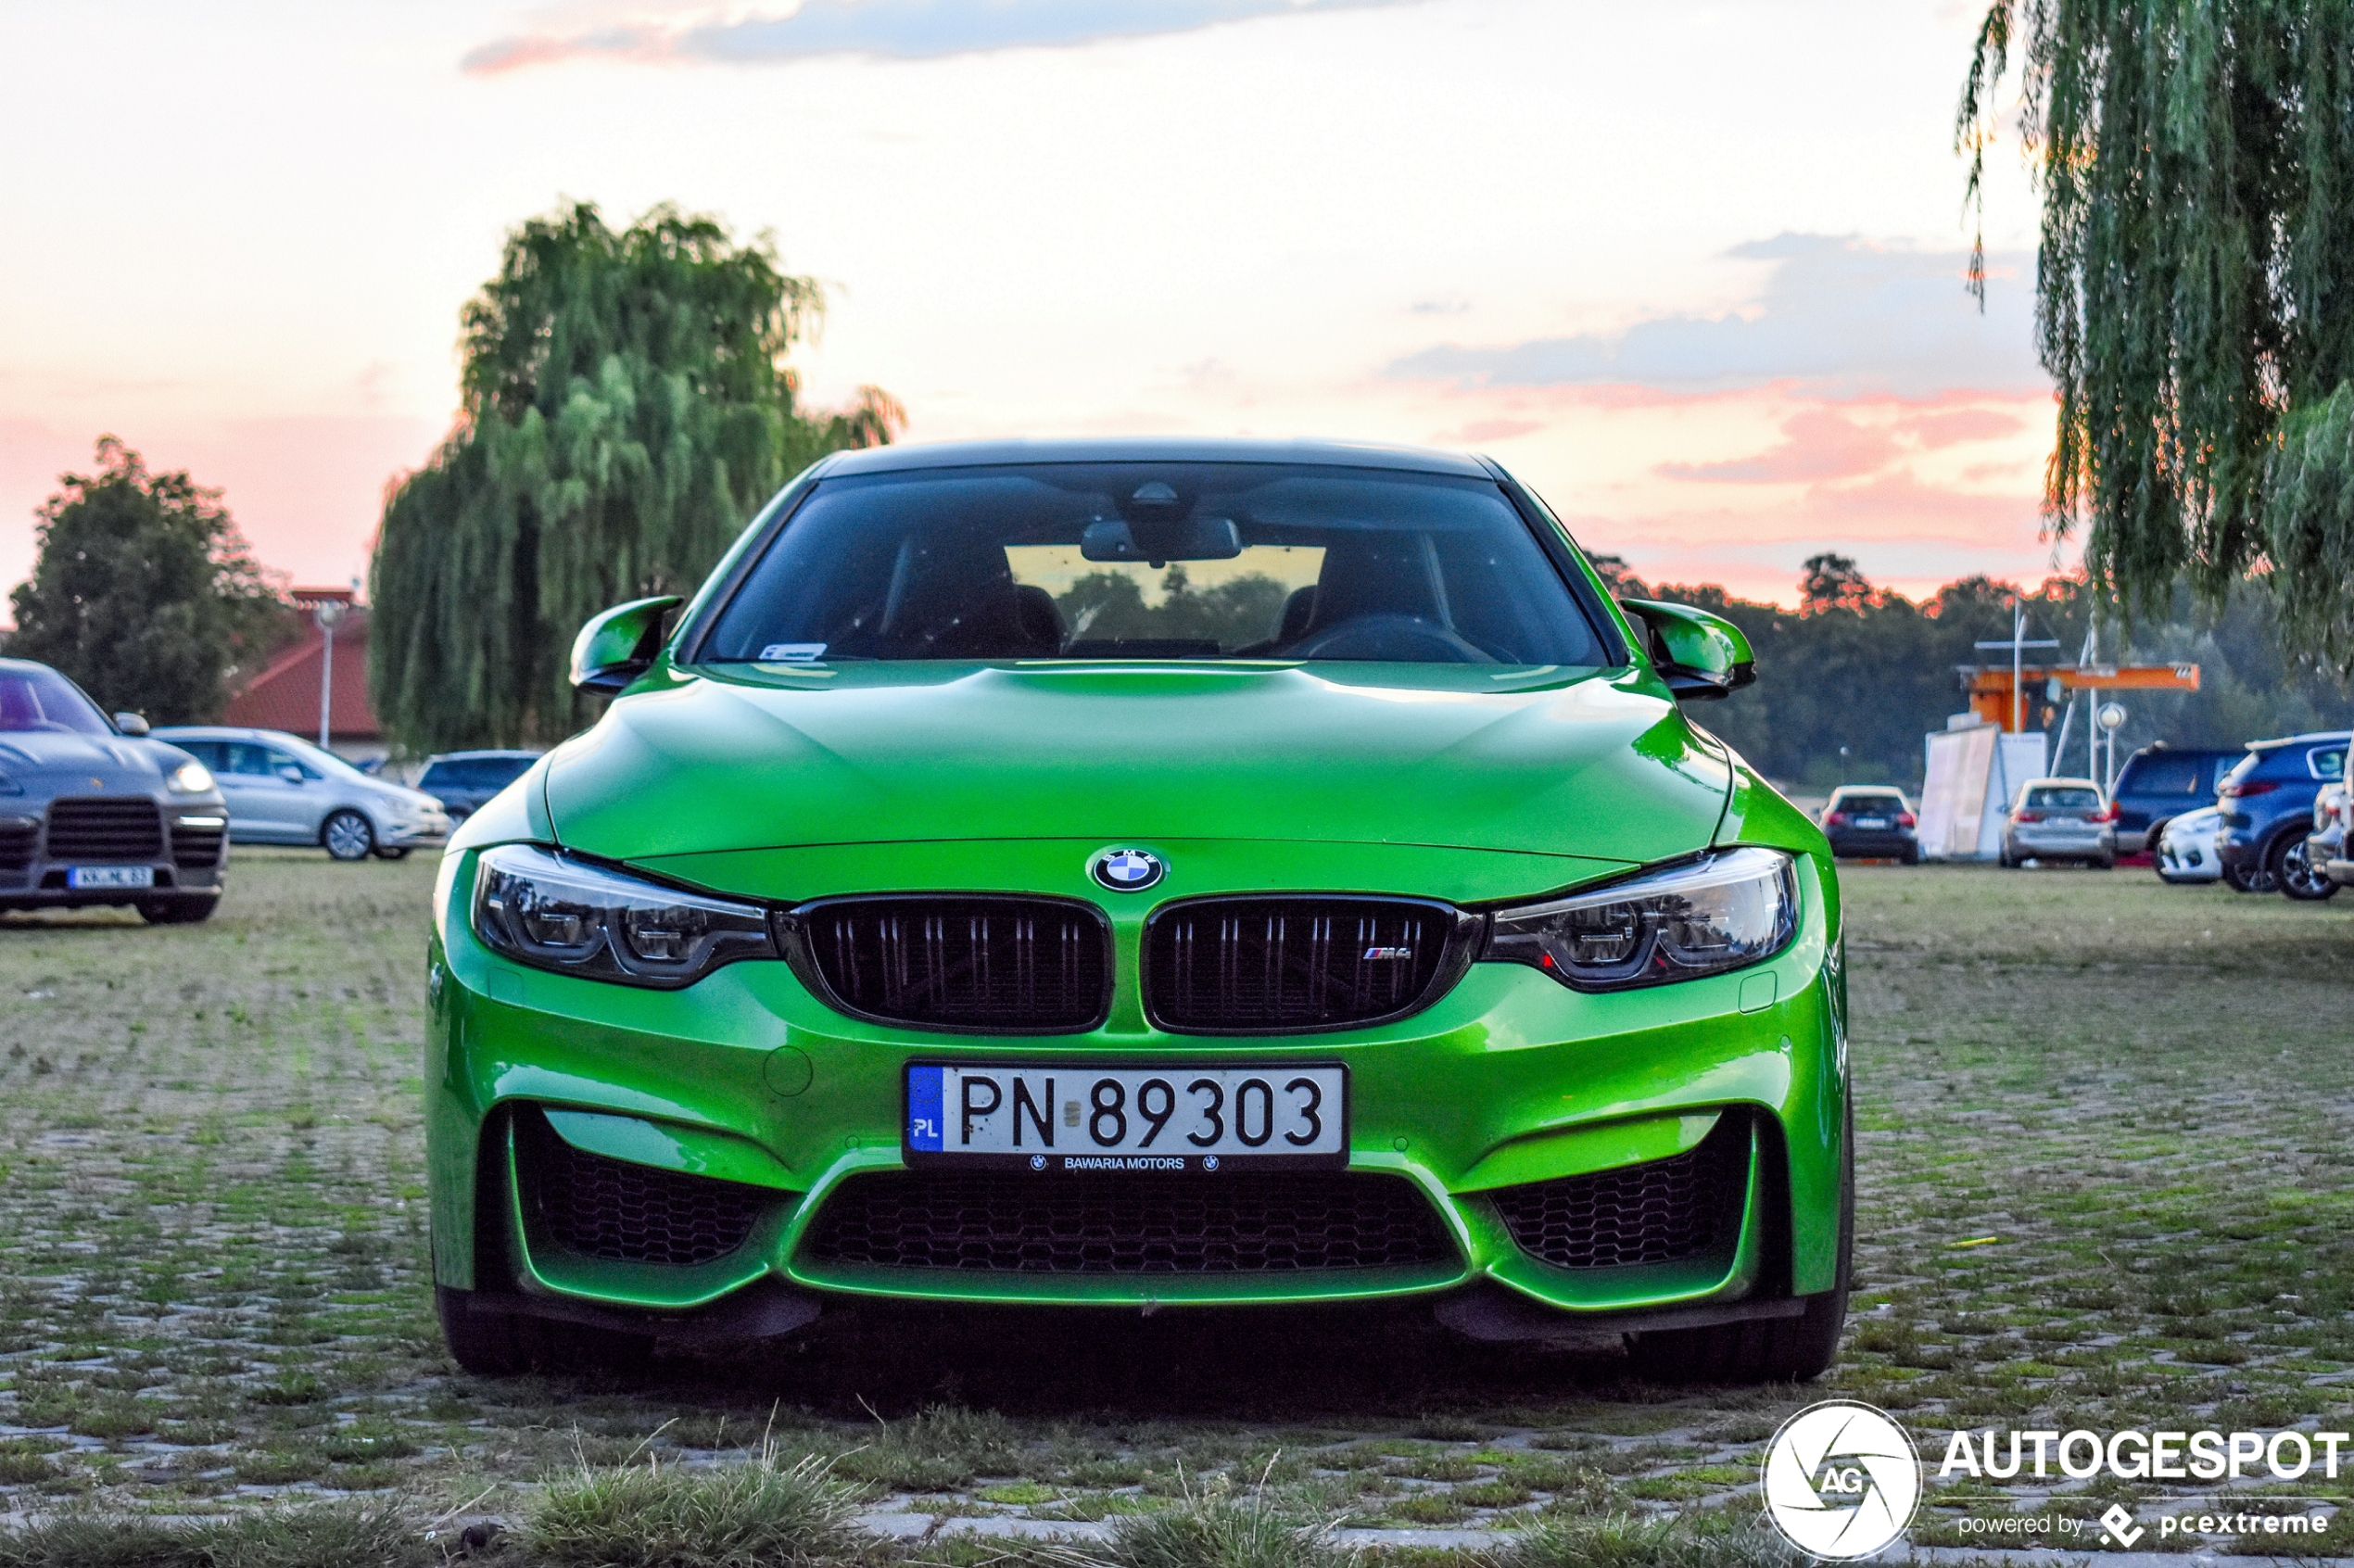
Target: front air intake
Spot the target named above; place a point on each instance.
(593, 1206)
(1299, 964)
(1235, 1222)
(958, 962)
(1660, 1211)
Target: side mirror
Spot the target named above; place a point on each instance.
(291, 774)
(618, 646)
(1700, 657)
(131, 725)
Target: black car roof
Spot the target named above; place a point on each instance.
(1149, 449)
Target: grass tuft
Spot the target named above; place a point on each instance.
(756, 1513)
(1216, 1531)
(1701, 1539)
(366, 1536)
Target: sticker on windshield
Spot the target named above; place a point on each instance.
(792, 653)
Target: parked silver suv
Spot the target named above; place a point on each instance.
(94, 812)
(283, 791)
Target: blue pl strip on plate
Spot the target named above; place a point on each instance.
(923, 1108)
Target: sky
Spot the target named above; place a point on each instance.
(1692, 271)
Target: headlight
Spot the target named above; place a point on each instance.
(553, 912)
(190, 778)
(9, 785)
(1702, 917)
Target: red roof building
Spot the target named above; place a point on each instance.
(285, 695)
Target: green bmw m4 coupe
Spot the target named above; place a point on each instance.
(1126, 875)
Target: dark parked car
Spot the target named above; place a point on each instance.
(94, 812)
(464, 781)
(2267, 801)
(2158, 784)
(1870, 822)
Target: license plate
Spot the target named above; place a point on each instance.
(110, 877)
(1164, 1119)
(1871, 822)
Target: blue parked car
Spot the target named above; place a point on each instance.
(2158, 784)
(2267, 801)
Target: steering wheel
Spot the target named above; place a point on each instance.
(1392, 637)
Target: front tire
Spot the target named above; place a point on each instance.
(2293, 868)
(2241, 880)
(348, 835)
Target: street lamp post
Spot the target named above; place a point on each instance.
(325, 615)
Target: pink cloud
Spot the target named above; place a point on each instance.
(1819, 443)
(1965, 424)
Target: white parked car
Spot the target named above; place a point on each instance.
(2187, 849)
(285, 790)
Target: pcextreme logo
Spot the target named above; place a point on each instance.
(1841, 1480)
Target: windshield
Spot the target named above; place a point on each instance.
(34, 698)
(2064, 800)
(1156, 561)
(1869, 803)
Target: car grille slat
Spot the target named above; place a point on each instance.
(1660, 1211)
(1294, 963)
(610, 1209)
(958, 962)
(104, 829)
(1234, 1223)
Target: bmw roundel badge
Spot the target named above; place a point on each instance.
(1127, 870)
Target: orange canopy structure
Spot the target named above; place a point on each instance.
(1990, 686)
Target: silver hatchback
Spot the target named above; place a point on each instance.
(2052, 819)
(283, 791)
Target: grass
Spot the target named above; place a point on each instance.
(2105, 1173)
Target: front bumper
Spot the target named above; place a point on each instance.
(413, 832)
(1505, 1085)
(185, 855)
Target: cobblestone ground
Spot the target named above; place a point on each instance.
(2106, 1176)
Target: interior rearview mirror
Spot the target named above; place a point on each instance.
(1189, 538)
(1700, 657)
(619, 645)
(131, 725)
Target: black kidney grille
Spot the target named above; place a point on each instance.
(599, 1207)
(1659, 1212)
(1278, 965)
(1008, 966)
(104, 829)
(1235, 1222)
(197, 849)
(19, 841)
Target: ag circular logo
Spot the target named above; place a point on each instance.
(1127, 870)
(1841, 1480)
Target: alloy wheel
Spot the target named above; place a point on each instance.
(348, 836)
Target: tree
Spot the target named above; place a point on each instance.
(2194, 288)
(625, 406)
(144, 592)
(1832, 582)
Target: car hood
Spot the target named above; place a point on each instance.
(1579, 762)
(57, 763)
